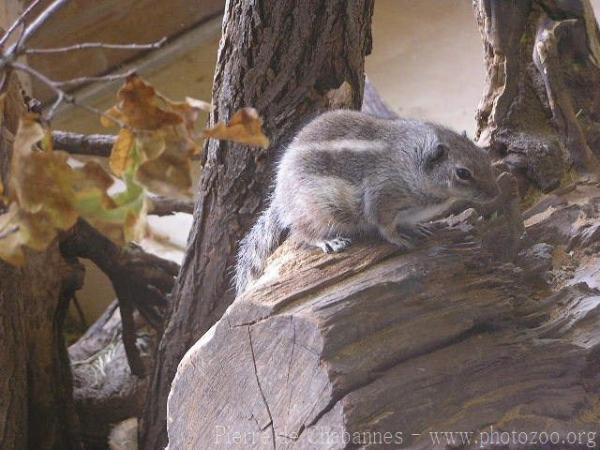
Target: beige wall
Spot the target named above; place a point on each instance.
(427, 59)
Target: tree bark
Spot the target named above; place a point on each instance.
(540, 109)
(291, 60)
(36, 405)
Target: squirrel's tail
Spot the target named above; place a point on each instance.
(257, 246)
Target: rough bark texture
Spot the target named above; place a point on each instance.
(290, 59)
(456, 335)
(36, 406)
(541, 108)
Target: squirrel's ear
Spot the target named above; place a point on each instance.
(464, 133)
(437, 155)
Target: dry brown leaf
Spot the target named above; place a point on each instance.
(244, 127)
(111, 117)
(121, 157)
(190, 111)
(41, 180)
(94, 174)
(168, 175)
(140, 107)
(151, 144)
(200, 105)
(19, 228)
(48, 195)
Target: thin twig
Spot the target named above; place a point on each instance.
(62, 95)
(85, 80)
(20, 20)
(35, 25)
(97, 45)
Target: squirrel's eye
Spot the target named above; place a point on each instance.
(463, 174)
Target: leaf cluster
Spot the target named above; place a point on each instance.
(152, 154)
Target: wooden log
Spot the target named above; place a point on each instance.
(381, 348)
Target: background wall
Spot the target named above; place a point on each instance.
(427, 60)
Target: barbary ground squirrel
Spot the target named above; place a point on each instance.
(347, 174)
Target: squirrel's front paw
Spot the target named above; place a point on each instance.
(423, 231)
(336, 245)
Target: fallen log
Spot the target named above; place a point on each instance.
(377, 347)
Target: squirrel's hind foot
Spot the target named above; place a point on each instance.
(336, 245)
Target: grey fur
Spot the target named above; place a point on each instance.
(348, 174)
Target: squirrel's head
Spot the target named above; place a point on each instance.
(459, 168)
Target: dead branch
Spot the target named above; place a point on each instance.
(140, 280)
(97, 45)
(104, 389)
(61, 95)
(162, 206)
(20, 20)
(84, 144)
(129, 335)
(16, 49)
(85, 80)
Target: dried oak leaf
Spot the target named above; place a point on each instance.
(244, 127)
(19, 228)
(40, 180)
(48, 195)
(168, 175)
(160, 137)
(121, 156)
(189, 110)
(140, 108)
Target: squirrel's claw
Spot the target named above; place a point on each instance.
(336, 245)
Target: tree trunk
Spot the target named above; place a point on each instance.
(290, 59)
(541, 107)
(36, 406)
